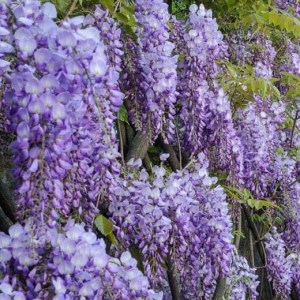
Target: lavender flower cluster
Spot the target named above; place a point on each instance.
(178, 215)
(203, 46)
(60, 100)
(66, 263)
(279, 266)
(61, 95)
(242, 280)
(286, 4)
(264, 61)
(257, 126)
(156, 70)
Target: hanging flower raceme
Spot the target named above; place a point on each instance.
(264, 61)
(203, 46)
(279, 266)
(36, 112)
(295, 258)
(178, 216)
(60, 101)
(291, 202)
(111, 34)
(242, 279)
(92, 113)
(257, 128)
(66, 263)
(221, 139)
(157, 76)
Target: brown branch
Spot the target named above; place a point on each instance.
(172, 280)
(173, 160)
(147, 163)
(237, 238)
(129, 133)
(170, 2)
(122, 138)
(220, 289)
(252, 226)
(138, 147)
(6, 201)
(293, 129)
(5, 222)
(294, 293)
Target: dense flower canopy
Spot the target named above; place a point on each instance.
(218, 110)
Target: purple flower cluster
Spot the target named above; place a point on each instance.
(34, 110)
(177, 34)
(111, 34)
(203, 46)
(179, 215)
(257, 128)
(242, 279)
(291, 63)
(239, 47)
(295, 258)
(264, 61)
(291, 201)
(60, 100)
(285, 4)
(221, 138)
(204, 43)
(66, 263)
(156, 68)
(279, 266)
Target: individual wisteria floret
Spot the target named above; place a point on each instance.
(279, 265)
(66, 263)
(242, 280)
(178, 216)
(157, 71)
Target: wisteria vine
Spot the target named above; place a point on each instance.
(74, 93)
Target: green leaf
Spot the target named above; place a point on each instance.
(104, 225)
(112, 238)
(137, 254)
(289, 78)
(263, 88)
(238, 233)
(259, 218)
(62, 6)
(153, 149)
(121, 17)
(279, 151)
(128, 12)
(232, 71)
(123, 115)
(259, 204)
(108, 4)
